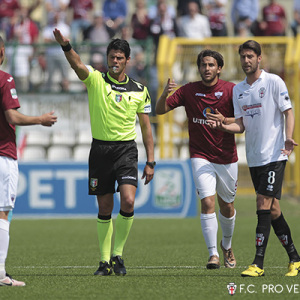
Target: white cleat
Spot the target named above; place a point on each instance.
(7, 281)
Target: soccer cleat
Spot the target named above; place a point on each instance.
(229, 259)
(118, 264)
(213, 262)
(8, 281)
(253, 271)
(294, 268)
(104, 269)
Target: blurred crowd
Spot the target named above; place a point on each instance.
(23, 26)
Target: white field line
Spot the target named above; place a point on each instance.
(133, 267)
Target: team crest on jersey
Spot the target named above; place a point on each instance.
(93, 183)
(262, 92)
(218, 94)
(208, 110)
(118, 98)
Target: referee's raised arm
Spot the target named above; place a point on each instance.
(73, 58)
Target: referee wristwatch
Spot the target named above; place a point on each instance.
(151, 164)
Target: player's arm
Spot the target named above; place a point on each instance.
(289, 130)
(161, 104)
(73, 58)
(217, 116)
(236, 127)
(148, 143)
(16, 118)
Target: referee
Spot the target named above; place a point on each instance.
(114, 101)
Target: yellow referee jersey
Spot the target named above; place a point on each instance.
(113, 106)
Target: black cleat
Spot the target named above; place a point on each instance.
(104, 269)
(118, 264)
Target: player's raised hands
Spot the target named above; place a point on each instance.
(60, 38)
(170, 87)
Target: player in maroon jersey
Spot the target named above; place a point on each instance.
(9, 118)
(213, 153)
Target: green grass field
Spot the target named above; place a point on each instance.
(165, 259)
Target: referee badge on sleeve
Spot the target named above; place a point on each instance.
(93, 183)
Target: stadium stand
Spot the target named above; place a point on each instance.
(59, 153)
(34, 154)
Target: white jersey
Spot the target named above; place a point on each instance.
(261, 106)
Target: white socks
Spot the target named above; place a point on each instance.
(227, 225)
(209, 226)
(4, 241)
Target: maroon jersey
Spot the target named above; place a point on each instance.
(8, 8)
(81, 8)
(274, 15)
(213, 145)
(8, 100)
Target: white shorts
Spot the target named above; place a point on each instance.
(9, 173)
(210, 178)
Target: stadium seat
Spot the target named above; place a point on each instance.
(141, 152)
(66, 138)
(33, 153)
(184, 152)
(84, 137)
(59, 153)
(38, 138)
(81, 153)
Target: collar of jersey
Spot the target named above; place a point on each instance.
(261, 76)
(116, 81)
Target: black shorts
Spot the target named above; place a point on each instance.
(268, 179)
(111, 161)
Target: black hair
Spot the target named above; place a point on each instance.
(118, 44)
(207, 52)
(251, 45)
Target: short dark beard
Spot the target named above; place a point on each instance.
(209, 81)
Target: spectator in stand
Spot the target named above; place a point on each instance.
(274, 20)
(36, 11)
(8, 10)
(54, 60)
(114, 13)
(243, 14)
(216, 12)
(82, 12)
(97, 33)
(56, 6)
(153, 9)
(97, 62)
(182, 6)
(296, 22)
(25, 32)
(194, 25)
(163, 23)
(140, 22)
(136, 67)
